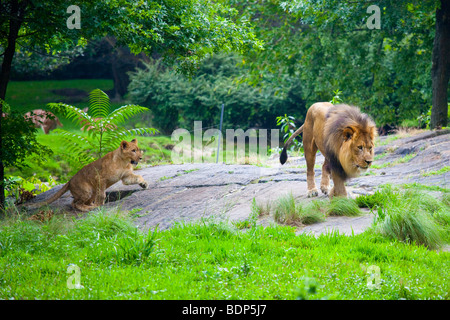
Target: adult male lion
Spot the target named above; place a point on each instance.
(344, 136)
(89, 184)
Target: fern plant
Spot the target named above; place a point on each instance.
(106, 129)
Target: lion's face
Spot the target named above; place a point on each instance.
(357, 152)
(131, 151)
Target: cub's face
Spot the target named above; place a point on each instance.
(131, 151)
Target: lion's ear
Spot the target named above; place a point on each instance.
(134, 141)
(348, 133)
(123, 145)
(373, 133)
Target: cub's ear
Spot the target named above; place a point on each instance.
(348, 133)
(134, 141)
(123, 145)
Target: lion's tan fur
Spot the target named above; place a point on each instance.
(344, 136)
(88, 185)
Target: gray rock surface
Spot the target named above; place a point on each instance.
(189, 192)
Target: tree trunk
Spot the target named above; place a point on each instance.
(122, 62)
(440, 70)
(14, 25)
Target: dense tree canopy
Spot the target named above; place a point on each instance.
(328, 46)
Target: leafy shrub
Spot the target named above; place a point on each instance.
(18, 187)
(176, 101)
(288, 128)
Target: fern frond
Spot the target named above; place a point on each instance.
(77, 116)
(124, 113)
(111, 140)
(79, 149)
(75, 140)
(99, 104)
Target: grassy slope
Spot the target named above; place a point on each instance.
(209, 260)
(28, 95)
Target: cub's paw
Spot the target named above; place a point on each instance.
(144, 185)
(313, 193)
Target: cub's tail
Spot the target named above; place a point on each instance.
(283, 155)
(55, 197)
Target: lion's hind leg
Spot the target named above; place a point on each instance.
(82, 207)
(310, 148)
(83, 196)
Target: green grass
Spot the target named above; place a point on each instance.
(437, 172)
(410, 215)
(291, 212)
(340, 206)
(389, 139)
(404, 159)
(29, 95)
(208, 260)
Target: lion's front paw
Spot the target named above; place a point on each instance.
(325, 189)
(144, 185)
(313, 193)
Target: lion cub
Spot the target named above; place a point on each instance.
(88, 185)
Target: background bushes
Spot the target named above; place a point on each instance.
(176, 101)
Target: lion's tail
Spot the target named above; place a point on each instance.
(55, 197)
(284, 156)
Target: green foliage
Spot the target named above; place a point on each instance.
(19, 139)
(437, 172)
(104, 130)
(307, 288)
(18, 144)
(425, 118)
(183, 31)
(16, 185)
(336, 98)
(375, 69)
(287, 124)
(176, 101)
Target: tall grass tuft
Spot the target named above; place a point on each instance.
(409, 224)
(288, 211)
(340, 206)
(410, 216)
